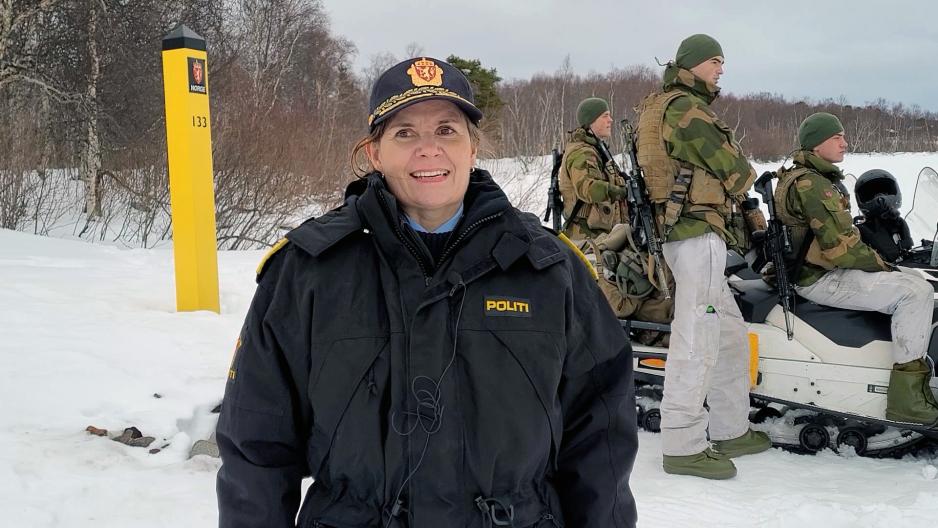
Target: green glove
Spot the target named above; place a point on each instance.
(617, 193)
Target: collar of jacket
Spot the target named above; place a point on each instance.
(583, 135)
(814, 162)
(679, 78)
(520, 234)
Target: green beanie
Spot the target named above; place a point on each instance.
(818, 128)
(589, 110)
(696, 49)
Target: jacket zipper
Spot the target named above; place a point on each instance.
(465, 232)
(455, 307)
(407, 243)
(416, 253)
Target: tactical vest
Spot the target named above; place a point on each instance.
(590, 219)
(566, 186)
(658, 168)
(787, 178)
(677, 186)
(799, 226)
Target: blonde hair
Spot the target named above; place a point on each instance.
(361, 165)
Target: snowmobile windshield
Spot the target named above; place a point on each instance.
(922, 217)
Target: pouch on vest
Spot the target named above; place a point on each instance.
(755, 218)
(602, 216)
(706, 189)
(737, 226)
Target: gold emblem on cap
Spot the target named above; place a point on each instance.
(425, 72)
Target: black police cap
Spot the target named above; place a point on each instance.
(417, 80)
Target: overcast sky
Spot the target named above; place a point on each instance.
(862, 50)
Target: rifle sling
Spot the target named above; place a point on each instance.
(576, 209)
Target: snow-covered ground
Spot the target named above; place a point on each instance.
(89, 336)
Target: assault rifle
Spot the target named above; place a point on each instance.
(638, 203)
(777, 244)
(554, 200)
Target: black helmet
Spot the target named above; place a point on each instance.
(878, 193)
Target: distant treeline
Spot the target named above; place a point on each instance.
(82, 133)
(81, 89)
(537, 111)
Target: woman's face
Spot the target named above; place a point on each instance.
(425, 155)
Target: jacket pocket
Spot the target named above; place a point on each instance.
(842, 218)
(539, 363)
(345, 381)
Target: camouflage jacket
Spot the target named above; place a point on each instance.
(694, 135)
(818, 201)
(584, 178)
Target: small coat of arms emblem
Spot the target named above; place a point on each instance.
(425, 72)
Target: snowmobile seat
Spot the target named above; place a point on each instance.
(848, 328)
(737, 265)
(755, 299)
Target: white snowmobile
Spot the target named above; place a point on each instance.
(819, 374)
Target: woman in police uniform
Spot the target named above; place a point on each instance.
(430, 355)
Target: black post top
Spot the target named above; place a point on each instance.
(183, 37)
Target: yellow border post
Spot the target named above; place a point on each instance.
(189, 156)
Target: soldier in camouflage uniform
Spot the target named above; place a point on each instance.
(839, 270)
(595, 209)
(697, 175)
(593, 194)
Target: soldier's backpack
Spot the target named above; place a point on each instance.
(625, 281)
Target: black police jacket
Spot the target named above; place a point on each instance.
(492, 389)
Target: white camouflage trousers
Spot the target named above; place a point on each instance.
(908, 297)
(709, 353)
